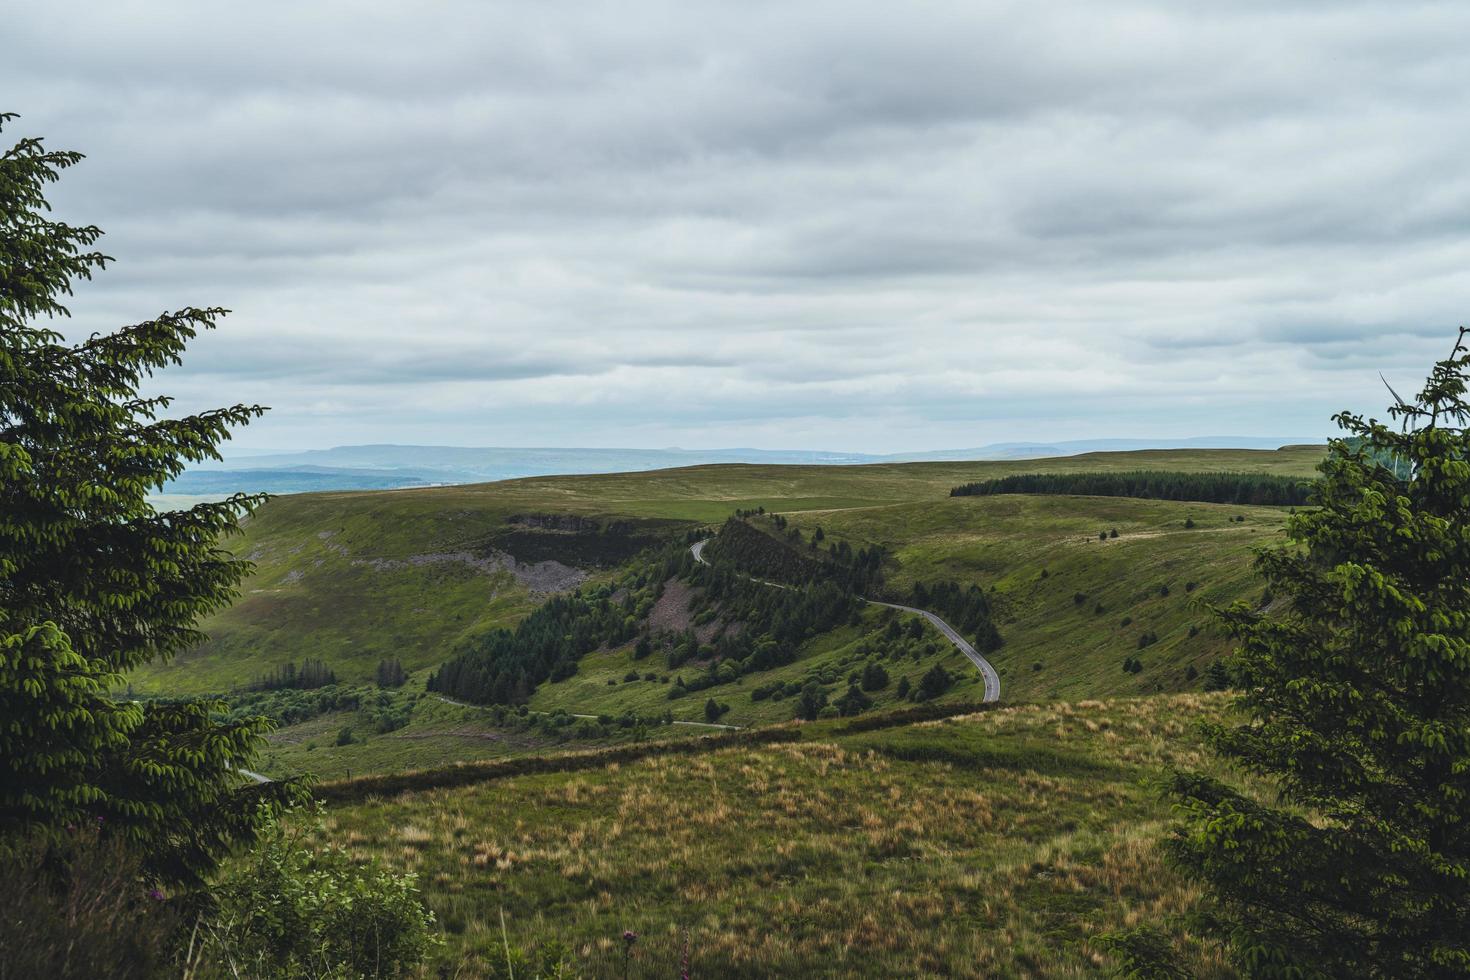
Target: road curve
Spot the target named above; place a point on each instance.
(992, 679)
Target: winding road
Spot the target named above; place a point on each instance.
(992, 679)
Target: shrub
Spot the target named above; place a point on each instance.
(286, 910)
(344, 737)
(1079, 598)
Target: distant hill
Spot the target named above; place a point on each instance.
(294, 479)
(379, 467)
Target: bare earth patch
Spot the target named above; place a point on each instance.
(671, 613)
(540, 576)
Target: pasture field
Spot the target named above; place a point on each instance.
(999, 844)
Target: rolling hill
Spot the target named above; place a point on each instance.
(352, 578)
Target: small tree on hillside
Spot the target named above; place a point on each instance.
(93, 580)
(1357, 704)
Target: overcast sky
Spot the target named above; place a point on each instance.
(825, 225)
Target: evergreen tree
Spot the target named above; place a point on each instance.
(93, 580)
(813, 699)
(875, 678)
(1356, 696)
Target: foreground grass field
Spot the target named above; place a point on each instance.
(998, 844)
(353, 578)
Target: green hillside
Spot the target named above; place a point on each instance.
(352, 578)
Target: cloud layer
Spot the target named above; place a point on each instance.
(846, 226)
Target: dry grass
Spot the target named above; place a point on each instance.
(1028, 832)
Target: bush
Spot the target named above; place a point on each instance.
(344, 737)
(286, 910)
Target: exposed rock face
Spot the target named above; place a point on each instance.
(539, 577)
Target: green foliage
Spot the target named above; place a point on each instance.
(811, 702)
(875, 678)
(505, 666)
(767, 555)
(1221, 488)
(936, 681)
(1143, 953)
(1357, 704)
(93, 581)
(967, 610)
(288, 910)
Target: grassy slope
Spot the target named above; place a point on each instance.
(1040, 552)
(307, 598)
(994, 845)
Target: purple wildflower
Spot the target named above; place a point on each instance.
(156, 894)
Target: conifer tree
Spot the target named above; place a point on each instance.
(93, 580)
(1356, 704)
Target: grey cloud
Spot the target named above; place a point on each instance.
(790, 224)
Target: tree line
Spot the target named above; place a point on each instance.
(775, 552)
(504, 666)
(968, 610)
(1260, 489)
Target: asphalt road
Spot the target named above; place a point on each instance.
(992, 679)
